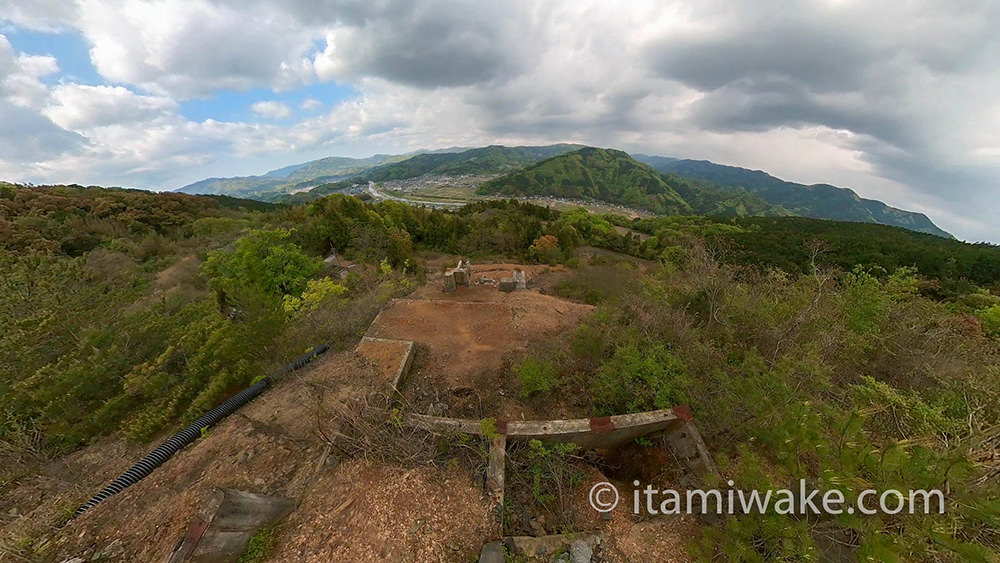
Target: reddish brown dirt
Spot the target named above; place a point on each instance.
(385, 355)
(464, 338)
(381, 513)
(467, 338)
(628, 537)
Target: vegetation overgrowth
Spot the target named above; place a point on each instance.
(853, 356)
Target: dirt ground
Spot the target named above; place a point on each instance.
(464, 338)
(626, 536)
(268, 447)
(385, 355)
(379, 513)
(467, 338)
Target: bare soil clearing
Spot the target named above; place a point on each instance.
(467, 338)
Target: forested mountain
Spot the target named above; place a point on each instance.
(603, 174)
(289, 178)
(327, 173)
(821, 201)
(655, 183)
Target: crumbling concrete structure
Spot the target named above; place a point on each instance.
(514, 282)
(459, 275)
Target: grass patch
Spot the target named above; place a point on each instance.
(259, 546)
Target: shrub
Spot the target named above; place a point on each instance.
(866, 305)
(265, 260)
(990, 318)
(641, 378)
(537, 375)
(259, 547)
(546, 249)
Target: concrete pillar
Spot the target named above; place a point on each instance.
(495, 471)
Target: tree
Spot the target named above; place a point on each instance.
(263, 260)
(546, 249)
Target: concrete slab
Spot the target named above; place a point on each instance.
(391, 357)
(237, 519)
(546, 546)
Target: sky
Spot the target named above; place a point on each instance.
(898, 100)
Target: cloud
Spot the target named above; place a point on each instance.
(27, 137)
(897, 100)
(271, 110)
(430, 44)
(78, 107)
(40, 15)
(192, 48)
(21, 74)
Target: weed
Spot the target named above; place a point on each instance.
(259, 547)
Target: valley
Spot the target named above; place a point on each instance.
(567, 174)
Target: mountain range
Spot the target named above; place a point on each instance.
(659, 184)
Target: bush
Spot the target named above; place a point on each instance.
(537, 375)
(265, 260)
(990, 318)
(865, 303)
(259, 547)
(640, 378)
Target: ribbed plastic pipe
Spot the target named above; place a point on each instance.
(191, 432)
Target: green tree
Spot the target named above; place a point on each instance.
(264, 260)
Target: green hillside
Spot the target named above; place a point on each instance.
(821, 201)
(603, 174)
(289, 178)
(486, 160)
(493, 159)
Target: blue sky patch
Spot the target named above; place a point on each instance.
(70, 49)
(229, 105)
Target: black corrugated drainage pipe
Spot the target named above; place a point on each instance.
(191, 432)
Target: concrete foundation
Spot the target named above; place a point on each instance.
(449, 282)
(588, 433)
(547, 546)
(392, 358)
(237, 519)
(495, 472)
(520, 282)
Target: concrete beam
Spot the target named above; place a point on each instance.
(588, 433)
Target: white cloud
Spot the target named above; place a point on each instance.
(271, 110)
(896, 100)
(21, 74)
(76, 107)
(41, 15)
(188, 48)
